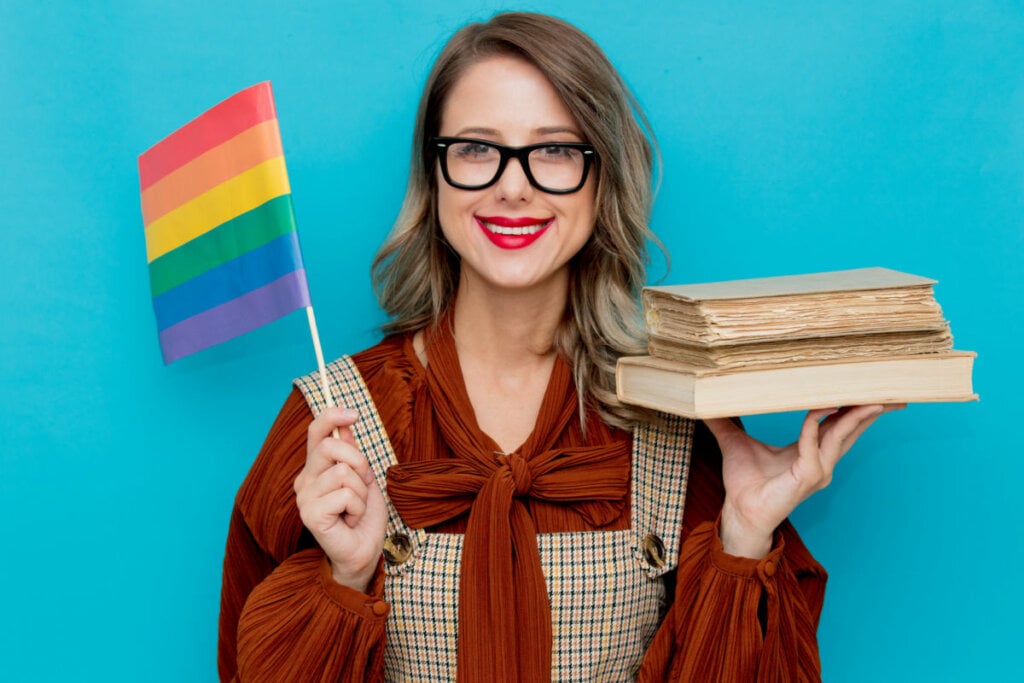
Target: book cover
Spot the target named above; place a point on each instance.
(696, 392)
(855, 280)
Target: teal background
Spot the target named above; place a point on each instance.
(796, 136)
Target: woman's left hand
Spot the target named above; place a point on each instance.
(764, 484)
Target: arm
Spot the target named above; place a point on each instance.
(283, 617)
(300, 625)
(246, 565)
(735, 618)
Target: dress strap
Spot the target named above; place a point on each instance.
(661, 467)
(350, 390)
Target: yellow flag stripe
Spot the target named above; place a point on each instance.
(228, 200)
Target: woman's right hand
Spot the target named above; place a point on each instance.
(339, 500)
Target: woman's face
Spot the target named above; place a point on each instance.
(511, 235)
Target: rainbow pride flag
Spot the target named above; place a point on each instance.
(221, 241)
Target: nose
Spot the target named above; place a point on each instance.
(513, 185)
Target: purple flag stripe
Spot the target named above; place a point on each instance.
(236, 317)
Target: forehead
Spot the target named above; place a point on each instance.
(506, 95)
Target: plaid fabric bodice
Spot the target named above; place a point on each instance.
(606, 589)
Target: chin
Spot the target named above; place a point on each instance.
(523, 282)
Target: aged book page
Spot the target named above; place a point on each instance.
(862, 301)
(808, 349)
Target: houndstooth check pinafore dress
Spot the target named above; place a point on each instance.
(607, 596)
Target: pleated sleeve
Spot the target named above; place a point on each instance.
(736, 619)
(283, 617)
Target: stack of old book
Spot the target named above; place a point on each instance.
(851, 337)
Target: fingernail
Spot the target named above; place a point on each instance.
(349, 413)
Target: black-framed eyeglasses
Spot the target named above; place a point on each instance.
(552, 167)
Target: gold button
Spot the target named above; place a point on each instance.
(654, 551)
(397, 548)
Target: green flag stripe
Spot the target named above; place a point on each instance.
(227, 241)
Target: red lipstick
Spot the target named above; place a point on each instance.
(513, 233)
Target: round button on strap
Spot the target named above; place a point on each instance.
(654, 551)
(397, 548)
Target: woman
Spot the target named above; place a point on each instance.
(483, 506)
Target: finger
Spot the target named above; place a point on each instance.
(839, 436)
(811, 428)
(321, 458)
(808, 465)
(326, 455)
(334, 451)
(862, 427)
(322, 429)
(338, 477)
(858, 430)
(819, 414)
(324, 512)
(327, 421)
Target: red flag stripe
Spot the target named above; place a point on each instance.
(208, 170)
(224, 121)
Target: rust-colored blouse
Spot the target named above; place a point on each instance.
(284, 618)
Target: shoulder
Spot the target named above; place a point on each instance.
(387, 363)
(391, 358)
(396, 380)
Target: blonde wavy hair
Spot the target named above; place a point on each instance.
(416, 272)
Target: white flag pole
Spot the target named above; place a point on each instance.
(325, 388)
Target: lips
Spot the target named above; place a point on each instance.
(513, 233)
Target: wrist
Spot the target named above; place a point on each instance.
(359, 580)
(742, 539)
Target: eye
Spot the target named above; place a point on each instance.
(472, 151)
(556, 154)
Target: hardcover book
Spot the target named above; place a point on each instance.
(795, 342)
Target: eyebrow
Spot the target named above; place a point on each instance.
(558, 129)
(546, 130)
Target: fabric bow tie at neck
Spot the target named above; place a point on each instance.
(522, 477)
(504, 613)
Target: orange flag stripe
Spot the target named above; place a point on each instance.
(225, 161)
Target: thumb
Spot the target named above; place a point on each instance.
(723, 428)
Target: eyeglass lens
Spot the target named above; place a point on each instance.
(476, 164)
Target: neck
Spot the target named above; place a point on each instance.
(508, 327)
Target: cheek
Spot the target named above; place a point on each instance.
(585, 213)
(446, 206)
(451, 197)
